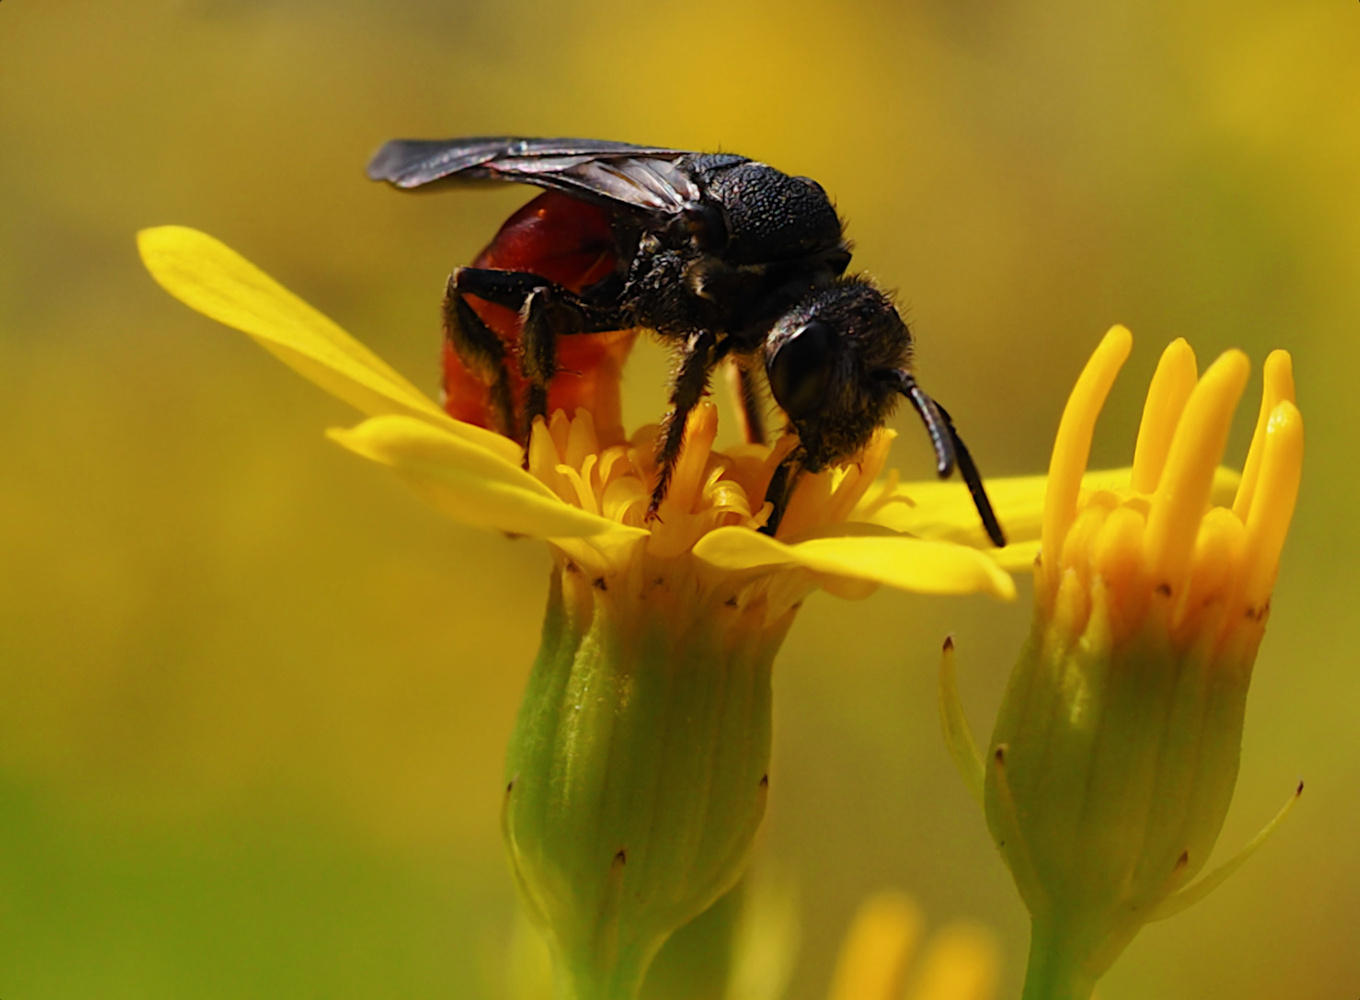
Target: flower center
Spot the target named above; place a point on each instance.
(709, 489)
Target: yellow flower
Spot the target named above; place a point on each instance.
(638, 771)
(1116, 748)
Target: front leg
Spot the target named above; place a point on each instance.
(780, 490)
(750, 400)
(691, 379)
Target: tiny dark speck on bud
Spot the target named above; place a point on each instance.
(764, 781)
(1299, 791)
(1164, 589)
(949, 644)
(599, 583)
(731, 602)
(510, 787)
(999, 754)
(621, 858)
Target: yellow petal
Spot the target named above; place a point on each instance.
(1017, 557)
(210, 277)
(1072, 446)
(1187, 481)
(469, 483)
(1277, 386)
(1167, 395)
(1272, 507)
(914, 564)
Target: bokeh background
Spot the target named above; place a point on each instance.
(254, 695)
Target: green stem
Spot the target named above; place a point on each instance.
(623, 981)
(1053, 972)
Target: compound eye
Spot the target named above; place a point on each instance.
(800, 370)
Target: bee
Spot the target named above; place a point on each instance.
(723, 257)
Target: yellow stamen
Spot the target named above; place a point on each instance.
(1218, 556)
(687, 482)
(1272, 508)
(1072, 447)
(1183, 492)
(1117, 558)
(1277, 386)
(582, 441)
(580, 483)
(1170, 389)
(1081, 536)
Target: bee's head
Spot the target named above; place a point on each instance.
(831, 362)
(838, 363)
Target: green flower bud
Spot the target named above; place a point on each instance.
(638, 770)
(1116, 749)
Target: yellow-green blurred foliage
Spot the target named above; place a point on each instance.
(253, 695)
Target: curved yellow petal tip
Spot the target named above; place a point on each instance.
(1272, 509)
(1277, 385)
(1171, 386)
(1072, 446)
(1186, 482)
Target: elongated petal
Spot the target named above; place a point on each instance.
(1072, 446)
(913, 564)
(944, 511)
(1171, 386)
(211, 278)
(1187, 480)
(469, 483)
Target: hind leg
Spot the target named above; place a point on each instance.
(482, 352)
(547, 311)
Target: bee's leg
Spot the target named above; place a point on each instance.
(780, 490)
(687, 388)
(481, 350)
(547, 311)
(752, 410)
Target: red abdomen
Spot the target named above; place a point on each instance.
(570, 242)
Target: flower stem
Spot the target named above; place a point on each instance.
(1053, 972)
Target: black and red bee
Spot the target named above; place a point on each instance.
(722, 256)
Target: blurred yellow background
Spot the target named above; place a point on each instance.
(254, 695)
